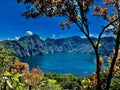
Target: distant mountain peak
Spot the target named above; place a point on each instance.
(32, 45)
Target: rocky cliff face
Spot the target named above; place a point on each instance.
(32, 45)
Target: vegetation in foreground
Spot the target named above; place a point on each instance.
(15, 75)
(75, 11)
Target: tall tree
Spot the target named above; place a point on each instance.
(75, 11)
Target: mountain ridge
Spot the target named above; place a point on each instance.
(32, 45)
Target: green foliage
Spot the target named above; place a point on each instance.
(6, 60)
(115, 83)
(6, 64)
(16, 75)
(99, 45)
(52, 85)
(66, 81)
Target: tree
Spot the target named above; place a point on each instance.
(15, 74)
(75, 11)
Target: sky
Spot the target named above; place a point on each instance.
(13, 25)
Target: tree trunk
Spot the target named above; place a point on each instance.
(5, 84)
(30, 87)
(98, 87)
(114, 59)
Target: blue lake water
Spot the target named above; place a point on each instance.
(74, 63)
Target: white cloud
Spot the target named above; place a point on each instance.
(29, 33)
(16, 38)
(109, 35)
(83, 36)
(96, 35)
(8, 38)
(40, 37)
(110, 27)
(53, 35)
(91, 35)
(103, 35)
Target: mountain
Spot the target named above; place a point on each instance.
(32, 45)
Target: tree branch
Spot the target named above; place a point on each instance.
(99, 37)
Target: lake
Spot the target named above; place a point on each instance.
(73, 63)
